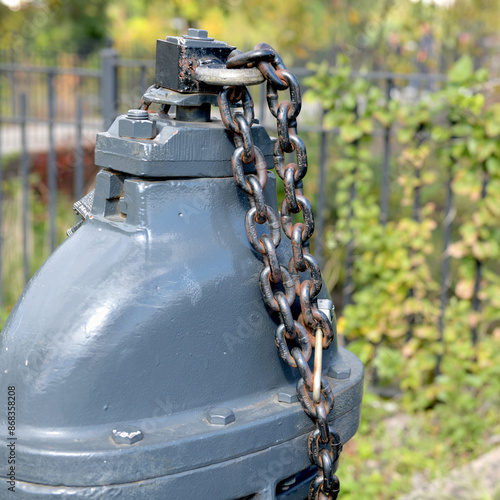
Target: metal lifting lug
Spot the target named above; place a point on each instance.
(195, 63)
(177, 59)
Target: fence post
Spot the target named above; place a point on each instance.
(348, 286)
(476, 303)
(25, 171)
(109, 86)
(445, 263)
(78, 179)
(384, 201)
(420, 138)
(52, 163)
(320, 211)
(1, 209)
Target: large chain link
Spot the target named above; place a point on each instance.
(280, 285)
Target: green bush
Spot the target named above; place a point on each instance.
(445, 364)
(392, 322)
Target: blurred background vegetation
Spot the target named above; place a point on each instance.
(396, 35)
(432, 395)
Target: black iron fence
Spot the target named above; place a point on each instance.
(51, 109)
(44, 108)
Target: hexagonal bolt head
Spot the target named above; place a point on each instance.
(288, 395)
(339, 371)
(127, 435)
(196, 33)
(136, 125)
(220, 416)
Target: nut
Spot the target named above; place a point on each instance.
(339, 371)
(220, 416)
(135, 126)
(127, 435)
(288, 395)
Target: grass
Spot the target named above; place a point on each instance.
(395, 451)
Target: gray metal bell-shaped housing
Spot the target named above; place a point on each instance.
(142, 353)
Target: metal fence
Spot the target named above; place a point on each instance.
(45, 107)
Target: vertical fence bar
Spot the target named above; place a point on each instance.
(13, 86)
(262, 102)
(475, 298)
(9, 93)
(109, 86)
(347, 288)
(348, 285)
(479, 267)
(420, 137)
(78, 179)
(320, 210)
(384, 198)
(144, 80)
(445, 264)
(51, 164)
(416, 200)
(1, 207)
(25, 187)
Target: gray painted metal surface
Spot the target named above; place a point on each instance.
(148, 321)
(180, 149)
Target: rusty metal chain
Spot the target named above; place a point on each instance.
(301, 328)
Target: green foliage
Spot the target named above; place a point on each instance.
(55, 26)
(450, 387)
(394, 450)
(393, 322)
(374, 33)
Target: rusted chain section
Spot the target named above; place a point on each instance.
(281, 285)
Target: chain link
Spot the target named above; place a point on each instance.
(280, 285)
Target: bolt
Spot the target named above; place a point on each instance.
(137, 125)
(288, 395)
(339, 371)
(138, 114)
(220, 416)
(127, 435)
(196, 33)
